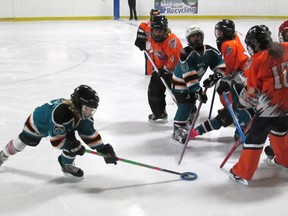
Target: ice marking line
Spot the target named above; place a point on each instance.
(56, 72)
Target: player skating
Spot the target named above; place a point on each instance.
(194, 62)
(233, 82)
(165, 48)
(59, 119)
(267, 91)
(143, 40)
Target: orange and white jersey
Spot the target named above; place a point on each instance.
(267, 80)
(234, 55)
(166, 54)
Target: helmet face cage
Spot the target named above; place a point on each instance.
(224, 30)
(159, 27)
(257, 38)
(194, 36)
(154, 12)
(85, 100)
(283, 32)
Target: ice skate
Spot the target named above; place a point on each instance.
(70, 170)
(179, 137)
(238, 179)
(158, 119)
(2, 158)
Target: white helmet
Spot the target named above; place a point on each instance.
(192, 30)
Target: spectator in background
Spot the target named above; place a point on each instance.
(132, 8)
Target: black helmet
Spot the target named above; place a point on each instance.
(258, 38)
(227, 27)
(159, 22)
(84, 95)
(154, 12)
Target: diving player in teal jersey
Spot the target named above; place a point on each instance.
(194, 62)
(58, 120)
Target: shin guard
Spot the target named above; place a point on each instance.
(279, 144)
(13, 147)
(247, 164)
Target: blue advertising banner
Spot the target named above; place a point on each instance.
(177, 7)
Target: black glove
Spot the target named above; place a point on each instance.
(162, 72)
(223, 86)
(211, 80)
(141, 39)
(110, 157)
(75, 148)
(201, 96)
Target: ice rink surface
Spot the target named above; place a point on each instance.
(40, 61)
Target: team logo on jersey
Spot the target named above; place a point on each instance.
(184, 66)
(172, 43)
(58, 130)
(228, 50)
(161, 55)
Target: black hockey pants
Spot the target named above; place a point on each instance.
(156, 93)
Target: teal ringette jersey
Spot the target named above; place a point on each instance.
(55, 119)
(189, 71)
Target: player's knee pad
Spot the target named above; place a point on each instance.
(29, 140)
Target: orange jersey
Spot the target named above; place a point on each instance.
(234, 55)
(267, 80)
(167, 52)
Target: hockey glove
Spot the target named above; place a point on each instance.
(110, 157)
(211, 80)
(141, 39)
(75, 148)
(223, 86)
(201, 96)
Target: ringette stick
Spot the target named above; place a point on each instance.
(212, 102)
(191, 128)
(236, 144)
(189, 176)
(234, 117)
(163, 81)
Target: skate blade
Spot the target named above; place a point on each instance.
(72, 177)
(240, 181)
(158, 121)
(176, 143)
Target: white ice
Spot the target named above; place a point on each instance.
(40, 61)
